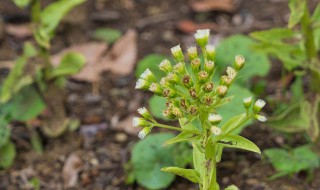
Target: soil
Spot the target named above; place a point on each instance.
(103, 149)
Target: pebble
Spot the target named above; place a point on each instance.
(121, 137)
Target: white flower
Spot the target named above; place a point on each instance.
(247, 102)
(261, 118)
(202, 37)
(142, 84)
(177, 53)
(215, 118)
(216, 130)
(139, 122)
(239, 62)
(222, 90)
(231, 72)
(165, 66)
(192, 52)
(210, 49)
(147, 75)
(258, 105)
(142, 134)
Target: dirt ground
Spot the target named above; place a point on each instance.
(104, 148)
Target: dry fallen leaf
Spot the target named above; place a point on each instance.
(125, 125)
(213, 5)
(20, 31)
(188, 26)
(71, 170)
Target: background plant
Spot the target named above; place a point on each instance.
(193, 98)
(298, 48)
(34, 83)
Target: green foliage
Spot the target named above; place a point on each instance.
(292, 161)
(257, 64)
(236, 141)
(297, 8)
(149, 156)
(157, 105)
(22, 3)
(108, 35)
(71, 63)
(7, 155)
(4, 132)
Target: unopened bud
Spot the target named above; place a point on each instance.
(202, 37)
(142, 84)
(187, 81)
(169, 93)
(258, 105)
(139, 122)
(260, 118)
(215, 130)
(231, 73)
(208, 100)
(193, 93)
(183, 104)
(214, 119)
(208, 87)
(156, 88)
(144, 113)
(192, 52)
(173, 78)
(177, 53)
(144, 132)
(195, 65)
(202, 75)
(247, 102)
(239, 62)
(222, 91)
(180, 68)
(209, 67)
(165, 66)
(193, 110)
(225, 80)
(211, 52)
(148, 76)
(177, 112)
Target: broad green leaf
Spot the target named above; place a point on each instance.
(148, 157)
(236, 141)
(22, 3)
(185, 136)
(53, 14)
(29, 50)
(297, 8)
(190, 174)
(4, 132)
(316, 14)
(257, 64)
(42, 38)
(305, 158)
(150, 62)
(275, 35)
(157, 105)
(198, 158)
(235, 106)
(280, 159)
(232, 187)
(70, 64)
(108, 35)
(7, 155)
(233, 123)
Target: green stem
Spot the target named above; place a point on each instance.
(35, 11)
(167, 127)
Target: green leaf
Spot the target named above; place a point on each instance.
(297, 8)
(7, 155)
(151, 61)
(233, 123)
(157, 105)
(4, 132)
(70, 64)
(185, 136)
(189, 174)
(316, 14)
(257, 64)
(236, 141)
(148, 157)
(53, 14)
(29, 50)
(297, 89)
(22, 3)
(275, 35)
(42, 38)
(108, 35)
(232, 187)
(198, 158)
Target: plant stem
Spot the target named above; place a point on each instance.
(167, 127)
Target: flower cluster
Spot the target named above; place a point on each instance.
(189, 88)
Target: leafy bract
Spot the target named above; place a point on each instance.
(151, 62)
(257, 64)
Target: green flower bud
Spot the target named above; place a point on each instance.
(192, 52)
(202, 76)
(176, 112)
(211, 52)
(215, 130)
(260, 118)
(148, 76)
(193, 93)
(173, 78)
(168, 113)
(193, 110)
(165, 66)
(209, 67)
(184, 104)
(180, 68)
(144, 132)
(239, 62)
(169, 93)
(195, 65)
(144, 113)
(177, 53)
(231, 73)
(208, 87)
(139, 122)
(142, 84)
(208, 100)
(225, 80)
(247, 102)
(156, 88)
(222, 91)
(202, 37)
(214, 119)
(258, 105)
(187, 81)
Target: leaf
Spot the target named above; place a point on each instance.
(257, 64)
(53, 13)
(157, 105)
(236, 141)
(71, 169)
(189, 174)
(151, 62)
(71, 63)
(4, 132)
(108, 35)
(185, 136)
(316, 14)
(233, 123)
(275, 35)
(22, 3)
(198, 158)
(7, 155)
(297, 8)
(148, 157)
(232, 187)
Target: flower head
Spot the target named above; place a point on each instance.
(192, 52)
(215, 130)
(139, 122)
(144, 132)
(258, 105)
(261, 118)
(202, 37)
(148, 75)
(144, 113)
(177, 53)
(215, 118)
(142, 84)
(165, 66)
(239, 62)
(247, 102)
(211, 52)
(231, 72)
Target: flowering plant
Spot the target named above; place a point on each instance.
(192, 98)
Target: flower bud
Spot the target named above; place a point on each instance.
(192, 52)
(142, 84)
(183, 104)
(211, 52)
(225, 80)
(187, 81)
(209, 67)
(239, 62)
(214, 119)
(177, 53)
(193, 110)
(208, 100)
(180, 68)
(208, 87)
(144, 113)
(156, 88)
(260, 118)
(215, 130)
(203, 76)
(231, 73)
(258, 105)
(164, 82)
(222, 91)
(195, 65)
(247, 102)
(202, 37)
(139, 122)
(169, 93)
(168, 113)
(144, 132)
(193, 93)
(176, 112)
(165, 66)
(173, 78)
(148, 76)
